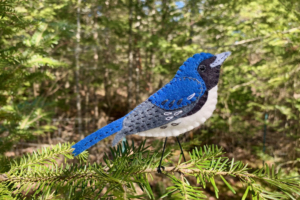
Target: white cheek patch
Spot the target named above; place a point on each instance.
(186, 123)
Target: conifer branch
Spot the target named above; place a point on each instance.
(41, 174)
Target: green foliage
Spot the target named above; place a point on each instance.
(26, 116)
(182, 189)
(41, 175)
(264, 63)
(21, 56)
(37, 81)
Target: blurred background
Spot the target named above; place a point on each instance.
(70, 67)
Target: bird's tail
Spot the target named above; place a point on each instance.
(95, 137)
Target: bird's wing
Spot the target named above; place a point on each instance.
(180, 92)
(173, 101)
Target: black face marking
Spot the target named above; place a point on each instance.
(208, 74)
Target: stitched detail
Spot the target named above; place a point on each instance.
(190, 82)
(165, 101)
(179, 101)
(189, 67)
(169, 118)
(177, 113)
(186, 82)
(198, 105)
(98, 135)
(154, 118)
(171, 104)
(163, 127)
(190, 97)
(175, 124)
(179, 90)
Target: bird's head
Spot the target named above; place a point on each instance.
(203, 66)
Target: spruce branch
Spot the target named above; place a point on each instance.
(131, 166)
(44, 156)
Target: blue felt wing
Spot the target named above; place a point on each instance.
(180, 92)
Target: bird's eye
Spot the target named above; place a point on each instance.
(202, 68)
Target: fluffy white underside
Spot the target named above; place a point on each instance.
(187, 123)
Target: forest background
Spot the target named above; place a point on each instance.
(70, 67)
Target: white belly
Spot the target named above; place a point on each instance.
(187, 123)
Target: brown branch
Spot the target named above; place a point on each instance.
(263, 37)
(198, 171)
(254, 39)
(3, 178)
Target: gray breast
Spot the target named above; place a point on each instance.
(148, 116)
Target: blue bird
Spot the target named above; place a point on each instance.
(183, 104)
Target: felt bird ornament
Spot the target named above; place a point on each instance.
(183, 104)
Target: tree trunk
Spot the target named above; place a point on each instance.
(130, 59)
(77, 71)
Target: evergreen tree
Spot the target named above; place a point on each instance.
(127, 50)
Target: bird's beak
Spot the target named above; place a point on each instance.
(220, 59)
